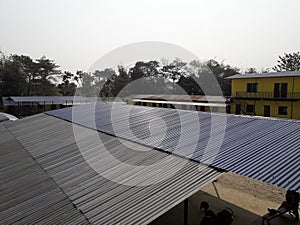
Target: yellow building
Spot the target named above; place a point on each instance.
(267, 94)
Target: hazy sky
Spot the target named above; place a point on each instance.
(245, 33)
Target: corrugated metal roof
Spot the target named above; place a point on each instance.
(182, 103)
(262, 148)
(66, 100)
(189, 98)
(100, 187)
(47, 98)
(23, 100)
(28, 194)
(5, 116)
(266, 75)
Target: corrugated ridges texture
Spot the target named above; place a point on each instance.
(52, 143)
(28, 194)
(261, 148)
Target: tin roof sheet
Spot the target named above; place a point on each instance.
(266, 75)
(266, 149)
(28, 194)
(112, 181)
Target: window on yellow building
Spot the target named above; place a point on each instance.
(250, 108)
(251, 87)
(280, 90)
(282, 110)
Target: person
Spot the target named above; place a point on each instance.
(224, 217)
(291, 203)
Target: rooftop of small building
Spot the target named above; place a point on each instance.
(265, 75)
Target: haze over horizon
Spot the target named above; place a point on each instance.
(77, 33)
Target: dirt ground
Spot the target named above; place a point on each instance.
(248, 198)
(252, 195)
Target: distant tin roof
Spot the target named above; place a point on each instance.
(46, 98)
(66, 100)
(209, 104)
(25, 100)
(266, 75)
(180, 98)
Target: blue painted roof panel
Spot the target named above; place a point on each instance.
(261, 148)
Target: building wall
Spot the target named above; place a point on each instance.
(293, 108)
(267, 85)
(238, 85)
(297, 84)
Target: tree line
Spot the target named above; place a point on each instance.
(20, 75)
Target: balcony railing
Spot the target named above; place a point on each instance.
(268, 95)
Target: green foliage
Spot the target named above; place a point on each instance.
(47, 69)
(190, 85)
(104, 81)
(288, 62)
(67, 88)
(153, 77)
(86, 81)
(144, 69)
(103, 75)
(173, 71)
(120, 82)
(12, 80)
(221, 72)
(20, 75)
(251, 70)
